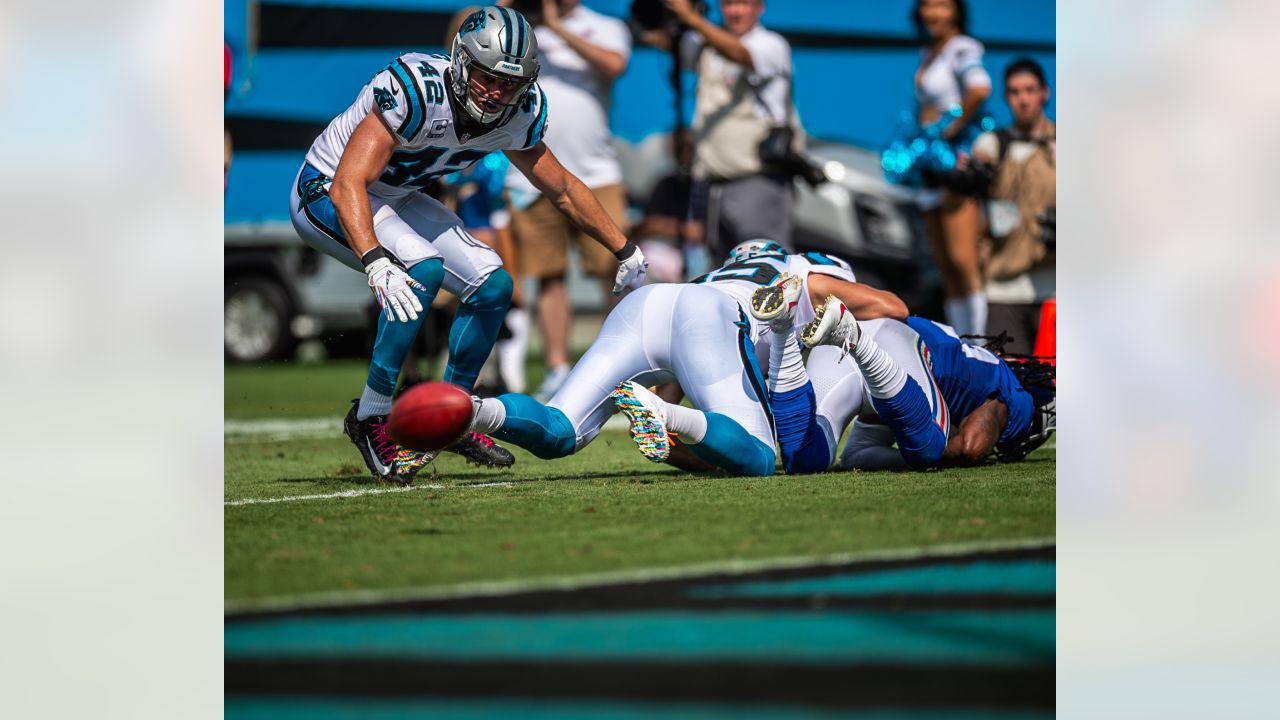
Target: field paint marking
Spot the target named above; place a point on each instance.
(268, 429)
(359, 493)
(576, 582)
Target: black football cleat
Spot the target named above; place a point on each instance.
(382, 456)
(482, 450)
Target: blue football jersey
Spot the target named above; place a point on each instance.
(969, 376)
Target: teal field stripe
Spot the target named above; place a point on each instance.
(1014, 578)
(1011, 637)
(533, 709)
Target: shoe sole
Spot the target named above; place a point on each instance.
(811, 328)
(767, 303)
(649, 434)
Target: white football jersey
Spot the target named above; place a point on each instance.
(741, 279)
(412, 96)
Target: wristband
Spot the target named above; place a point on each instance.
(373, 256)
(626, 251)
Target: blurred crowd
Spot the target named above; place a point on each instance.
(985, 194)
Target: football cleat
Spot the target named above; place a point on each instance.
(482, 450)
(648, 422)
(382, 456)
(832, 324)
(776, 303)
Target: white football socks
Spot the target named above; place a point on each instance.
(786, 364)
(489, 416)
(688, 423)
(511, 352)
(372, 403)
(884, 377)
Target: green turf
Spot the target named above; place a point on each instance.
(604, 509)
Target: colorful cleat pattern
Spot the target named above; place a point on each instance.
(382, 456)
(648, 426)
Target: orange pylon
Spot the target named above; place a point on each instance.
(1047, 337)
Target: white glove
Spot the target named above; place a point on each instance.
(631, 268)
(394, 289)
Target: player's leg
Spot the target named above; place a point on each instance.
(801, 440)
(577, 412)
(839, 392)
(870, 447)
(474, 273)
(715, 362)
(895, 367)
(542, 234)
(316, 221)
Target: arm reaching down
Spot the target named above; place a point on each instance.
(579, 204)
(864, 301)
(363, 161)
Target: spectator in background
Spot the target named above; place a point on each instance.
(1019, 267)
(744, 93)
(951, 74)
(582, 52)
(667, 233)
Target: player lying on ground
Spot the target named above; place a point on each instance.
(697, 334)
(912, 375)
(357, 199)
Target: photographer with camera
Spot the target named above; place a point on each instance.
(745, 131)
(1017, 166)
(582, 52)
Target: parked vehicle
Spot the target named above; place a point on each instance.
(279, 291)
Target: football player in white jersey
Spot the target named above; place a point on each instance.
(698, 334)
(357, 198)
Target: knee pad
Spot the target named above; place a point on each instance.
(430, 273)
(494, 293)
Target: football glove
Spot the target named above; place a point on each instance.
(632, 268)
(394, 289)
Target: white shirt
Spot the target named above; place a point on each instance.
(770, 76)
(957, 68)
(412, 97)
(581, 96)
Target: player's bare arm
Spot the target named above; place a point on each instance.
(610, 63)
(568, 194)
(864, 301)
(977, 436)
(364, 159)
(577, 202)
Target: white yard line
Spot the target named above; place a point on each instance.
(732, 567)
(274, 429)
(360, 493)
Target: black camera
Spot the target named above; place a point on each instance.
(974, 180)
(530, 9)
(654, 15)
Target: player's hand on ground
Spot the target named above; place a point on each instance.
(632, 268)
(394, 289)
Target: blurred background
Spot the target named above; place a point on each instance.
(295, 65)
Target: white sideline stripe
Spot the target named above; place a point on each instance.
(239, 431)
(575, 582)
(359, 493)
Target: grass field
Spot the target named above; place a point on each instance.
(604, 586)
(303, 517)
